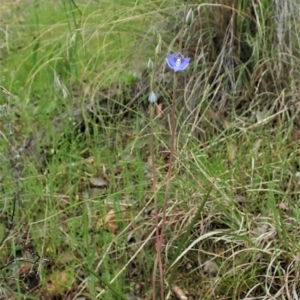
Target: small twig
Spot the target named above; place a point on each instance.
(25, 260)
(5, 91)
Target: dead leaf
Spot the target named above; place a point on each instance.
(257, 146)
(98, 181)
(27, 264)
(159, 110)
(90, 160)
(110, 222)
(262, 231)
(59, 282)
(283, 206)
(179, 293)
(232, 151)
(261, 115)
(211, 268)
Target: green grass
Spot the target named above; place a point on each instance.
(72, 238)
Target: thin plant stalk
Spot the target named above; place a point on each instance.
(152, 150)
(168, 183)
(152, 154)
(160, 239)
(169, 174)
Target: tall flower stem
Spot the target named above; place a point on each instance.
(168, 183)
(152, 149)
(169, 174)
(152, 100)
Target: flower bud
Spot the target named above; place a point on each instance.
(189, 17)
(150, 64)
(158, 38)
(152, 97)
(158, 49)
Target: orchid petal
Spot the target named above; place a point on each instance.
(177, 62)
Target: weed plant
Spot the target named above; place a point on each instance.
(77, 202)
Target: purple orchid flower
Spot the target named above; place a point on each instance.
(177, 62)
